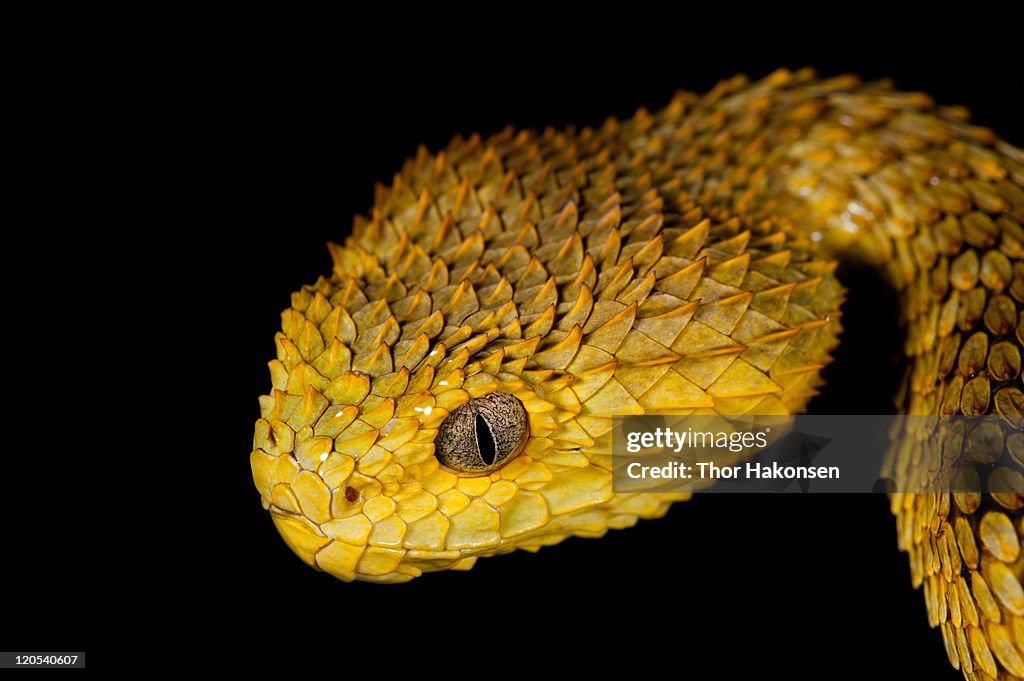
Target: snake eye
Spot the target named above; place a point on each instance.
(482, 434)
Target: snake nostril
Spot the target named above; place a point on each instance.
(351, 495)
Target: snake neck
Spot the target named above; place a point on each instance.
(935, 206)
(886, 180)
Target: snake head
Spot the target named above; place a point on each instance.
(416, 425)
(427, 410)
(447, 392)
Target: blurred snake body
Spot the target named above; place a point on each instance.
(677, 262)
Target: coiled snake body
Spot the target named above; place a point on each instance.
(677, 262)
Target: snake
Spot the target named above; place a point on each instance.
(447, 392)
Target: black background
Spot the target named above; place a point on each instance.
(277, 156)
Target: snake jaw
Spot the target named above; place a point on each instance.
(374, 503)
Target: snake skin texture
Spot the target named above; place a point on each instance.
(680, 262)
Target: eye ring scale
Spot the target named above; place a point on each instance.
(482, 435)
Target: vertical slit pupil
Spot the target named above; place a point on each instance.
(484, 440)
